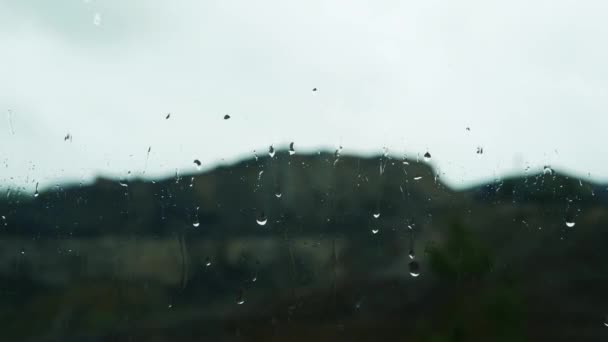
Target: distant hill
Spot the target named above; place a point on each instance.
(311, 189)
(287, 245)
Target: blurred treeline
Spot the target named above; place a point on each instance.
(185, 259)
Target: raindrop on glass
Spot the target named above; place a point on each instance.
(226, 117)
(262, 219)
(468, 128)
(197, 163)
(240, 300)
(570, 224)
(168, 116)
(271, 151)
(97, 19)
(411, 254)
(376, 214)
(375, 231)
(278, 194)
(195, 222)
(9, 116)
(547, 170)
(417, 178)
(427, 156)
(479, 150)
(207, 262)
(36, 191)
(314, 89)
(414, 269)
(292, 151)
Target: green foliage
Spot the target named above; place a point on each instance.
(461, 257)
(470, 305)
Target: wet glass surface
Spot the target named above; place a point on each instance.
(314, 171)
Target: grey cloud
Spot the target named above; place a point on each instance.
(527, 76)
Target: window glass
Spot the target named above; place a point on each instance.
(294, 171)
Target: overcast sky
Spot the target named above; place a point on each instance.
(528, 77)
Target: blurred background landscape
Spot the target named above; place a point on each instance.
(346, 170)
(306, 247)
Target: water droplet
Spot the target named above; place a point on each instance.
(68, 137)
(240, 300)
(570, 224)
(170, 306)
(9, 117)
(292, 151)
(417, 178)
(278, 194)
(197, 163)
(468, 128)
(177, 176)
(411, 254)
(207, 262)
(22, 251)
(97, 19)
(254, 279)
(479, 150)
(271, 151)
(196, 222)
(414, 269)
(376, 214)
(375, 231)
(547, 170)
(427, 156)
(226, 117)
(262, 219)
(168, 116)
(36, 191)
(314, 89)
